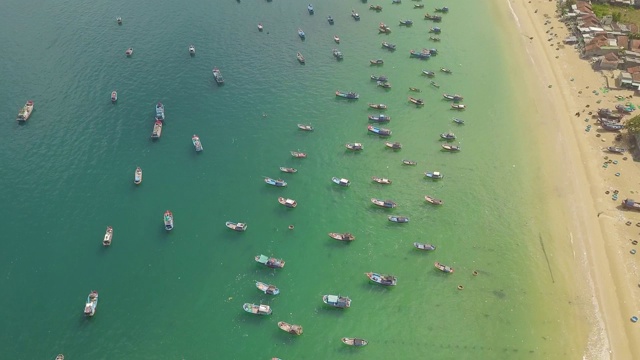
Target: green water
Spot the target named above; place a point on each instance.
(68, 173)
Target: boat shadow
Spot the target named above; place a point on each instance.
(337, 244)
(329, 311)
(247, 319)
(379, 289)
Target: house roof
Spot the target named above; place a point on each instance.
(636, 77)
(611, 57)
(634, 44)
(633, 69)
(623, 41)
(633, 28)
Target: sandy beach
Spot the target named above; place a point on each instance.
(592, 233)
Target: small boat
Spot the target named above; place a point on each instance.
(257, 309)
(387, 280)
(409, 162)
(299, 155)
(217, 76)
(388, 46)
(310, 9)
(60, 357)
(418, 6)
(336, 39)
(267, 289)
(196, 143)
(108, 235)
(448, 136)
(396, 1)
(446, 71)
(435, 18)
(383, 181)
(426, 247)
(337, 54)
(414, 89)
(379, 131)
(418, 102)
(347, 95)
(160, 111)
(355, 15)
(114, 96)
(300, 58)
(192, 50)
(270, 261)
(25, 112)
(236, 226)
(383, 84)
(611, 126)
(260, 27)
(291, 329)
(301, 34)
(443, 268)
(434, 38)
(157, 130)
(616, 149)
(433, 200)
(406, 22)
(630, 204)
(434, 84)
(341, 181)
(389, 204)
(355, 341)
(168, 220)
(119, 20)
(458, 121)
(443, 9)
(129, 52)
(454, 97)
(434, 175)
(277, 183)
(419, 54)
(393, 145)
(354, 146)
(379, 118)
(337, 301)
(330, 20)
(435, 30)
(91, 304)
(428, 73)
(288, 170)
(398, 219)
(376, 61)
(449, 147)
(137, 177)
(305, 127)
(378, 106)
(342, 236)
(290, 203)
(381, 78)
(375, 7)
(458, 106)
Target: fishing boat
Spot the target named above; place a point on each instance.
(300, 57)
(383, 181)
(376, 61)
(428, 73)
(406, 22)
(337, 54)
(108, 235)
(192, 50)
(419, 54)
(431, 51)
(257, 309)
(310, 9)
(446, 71)
(129, 52)
(458, 121)
(290, 203)
(347, 95)
(436, 18)
(393, 145)
(383, 84)
(418, 102)
(330, 20)
(389, 204)
(160, 111)
(616, 149)
(378, 106)
(342, 236)
(451, 148)
(354, 341)
(611, 126)
(418, 6)
(217, 76)
(414, 89)
(379, 131)
(375, 7)
(387, 280)
(409, 162)
(25, 112)
(354, 146)
(299, 155)
(336, 39)
(443, 9)
(157, 130)
(434, 84)
(236, 226)
(341, 181)
(91, 304)
(458, 106)
(168, 220)
(454, 97)
(305, 127)
(379, 118)
(291, 329)
(434, 38)
(398, 219)
(338, 301)
(355, 15)
(433, 200)
(301, 34)
(196, 143)
(396, 1)
(267, 289)
(119, 20)
(277, 183)
(448, 136)
(60, 357)
(137, 177)
(443, 268)
(435, 30)
(381, 78)
(388, 46)
(260, 27)
(114, 96)
(434, 175)
(288, 170)
(270, 261)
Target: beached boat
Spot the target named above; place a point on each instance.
(458, 121)
(337, 54)
(379, 118)
(428, 73)
(160, 111)
(389, 204)
(383, 181)
(446, 71)
(354, 341)
(336, 38)
(616, 149)
(60, 357)
(448, 136)
(458, 106)
(378, 106)
(347, 95)
(630, 204)
(393, 145)
(236, 226)
(419, 54)
(290, 328)
(25, 111)
(355, 15)
(454, 97)
(91, 304)
(434, 84)
(338, 301)
(267, 289)
(301, 34)
(260, 27)
(290, 203)
(381, 78)
(341, 181)
(436, 18)
(426, 247)
(387, 280)
(611, 126)
(435, 30)
(299, 155)
(129, 52)
(119, 20)
(137, 176)
(443, 9)
(409, 162)
(305, 127)
(434, 175)
(443, 268)
(108, 236)
(376, 61)
(196, 143)
(383, 84)
(433, 200)
(354, 146)
(342, 236)
(398, 219)
(217, 76)
(379, 131)
(168, 220)
(300, 57)
(157, 130)
(330, 20)
(257, 309)
(375, 7)
(418, 102)
(114, 96)
(406, 22)
(270, 261)
(192, 50)
(310, 9)
(274, 182)
(608, 113)
(388, 46)
(288, 170)
(625, 109)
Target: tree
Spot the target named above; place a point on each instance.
(633, 125)
(616, 16)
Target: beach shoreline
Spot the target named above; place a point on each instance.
(588, 220)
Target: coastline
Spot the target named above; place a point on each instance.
(587, 220)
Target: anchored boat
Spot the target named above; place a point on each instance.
(236, 226)
(393, 145)
(341, 182)
(379, 180)
(270, 262)
(354, 146)
(379, 131)
(389, 204)
(443, 268)
(257, 309)
(290, 203)
(426, 247)
(337, 301)
(91, 304)
(196, 143)
(168, 220)
(288, 170)
(342, 236)
(157, 130)
(114, 96)
(347, 95)
(387, 280)
(137, 177)
(305, 127)
(433, 200)
(273, 182)
(398, 219)
(354, 341)
(160, 111)
(108, 235)
(25, 112)
(290, 328)
(267, 289)
(434, 175)
(217, 76)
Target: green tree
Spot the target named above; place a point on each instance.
(633, 125)
(616, 16)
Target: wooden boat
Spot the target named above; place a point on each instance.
(406, 22)
(341, 181)
(119, 20)
(108, 235)
(418, 102)
(257, 309)
(310, 9)
(338, 301)
(434, 84)
(381, 78)
(388, 46)
(270, 261)
(434, 38)
(114, 96)
(446, 71)
(354, 146)
(330, 20)
(157, 130)
(192, 50)
(449, 147)
(409, 162)
(260, 27)
(91, 304)
(291, 329)
(347, 95)
(129, 52)
(458, 106)
(290, 203)
(398, 219)
(389, 204)
(616, 149)
(435, 30)
(267, 289)
(217, 76)
(630, 204)
(305, 127)
(383, 181)
(301, 34)
(355, 15)
(426, 247)
(393, 145)
(434, 175)
(376, 61)
(337, 54)
(414, 89)
(288, 170)
(274, 182)
(433, 200)
(354, 341)
(378, 106)
(168, 220)
(458, 121)
(137, 177)
(25, 112)
(379, 131)
(379, 118)
(436, 18)
(383, 28)
(454, 97)
(443, 268)
(387, 280)
(443, 9)
(336, 39)
(448, 136)
(383, 84)
(195, 139)
(300, 58)
(342, 236)
(375, 7)
(299, 155)
(60, 357)
(236, 226)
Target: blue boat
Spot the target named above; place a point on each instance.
(379, 118)
(435, 30)
(274, 182)
(388, 46)
(398, 219)
(432, 51)
(330, 20)
(160, 111)
(406, 22)
(384, 203)
(379, 131)
(347, 95)
(301, 34)
(310, 8)
(458, 121)
(436, 18)
(420, 55)
(379, 78)
(443, 9)
(434, 175)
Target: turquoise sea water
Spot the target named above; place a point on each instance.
(68, 173)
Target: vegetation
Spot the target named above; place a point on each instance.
(623, 14)
(633, 125)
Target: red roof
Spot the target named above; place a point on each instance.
(623, 41)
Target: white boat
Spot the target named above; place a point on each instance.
(25, 111)
(157, 130)
(236, 226)
(91, 304)
(168, 220)
(114, 96)
(257, 309)
(341, 182)
(108, 235)
(129, 52)
(119, 20)
(434, 175)
(192, 50)
(196, 143)
(267, 289)
(290, 203)
(137, 177)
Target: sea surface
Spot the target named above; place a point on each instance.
(68, 173)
